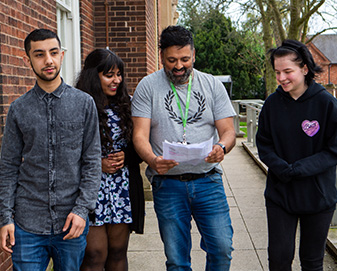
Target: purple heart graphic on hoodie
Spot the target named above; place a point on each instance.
(310, 127)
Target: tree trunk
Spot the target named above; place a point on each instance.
(268, 44)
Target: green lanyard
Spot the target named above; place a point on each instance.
(184, 118)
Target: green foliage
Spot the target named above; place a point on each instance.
(222, 50)
(243, 128)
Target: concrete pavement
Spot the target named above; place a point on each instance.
(244, 182)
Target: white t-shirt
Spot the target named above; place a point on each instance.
(154, 99)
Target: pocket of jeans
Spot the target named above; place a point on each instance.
(157, 183)
(216, 178)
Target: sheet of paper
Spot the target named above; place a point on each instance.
(191, 153)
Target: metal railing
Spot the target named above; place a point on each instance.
(247, 111)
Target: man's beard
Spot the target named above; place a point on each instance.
(178, 80)
(45, 78)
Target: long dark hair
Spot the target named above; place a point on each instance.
(302, 57)
(103, 60)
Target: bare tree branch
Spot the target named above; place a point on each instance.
(278, 19)
(310, 12)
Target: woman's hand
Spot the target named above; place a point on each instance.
(113, 163)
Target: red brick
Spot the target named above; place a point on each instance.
(131, 33)
(321, 60)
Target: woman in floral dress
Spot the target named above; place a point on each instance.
(120, 197)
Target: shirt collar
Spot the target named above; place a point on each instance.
(57, 92)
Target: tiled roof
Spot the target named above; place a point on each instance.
(327, 44)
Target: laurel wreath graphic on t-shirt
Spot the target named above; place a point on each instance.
(197, 116)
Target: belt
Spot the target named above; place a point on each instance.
(189, 176)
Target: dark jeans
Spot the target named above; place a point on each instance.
(282, 232)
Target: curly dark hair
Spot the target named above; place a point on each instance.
(103, 60)
(302, 56)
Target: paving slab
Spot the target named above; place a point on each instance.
(244, 183)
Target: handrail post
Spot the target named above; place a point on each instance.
(249, 124)
(254, 126)
(236, 119)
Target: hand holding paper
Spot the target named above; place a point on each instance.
(191, 153)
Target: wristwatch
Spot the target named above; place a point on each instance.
(222, 146)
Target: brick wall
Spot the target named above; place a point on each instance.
(87, 28)
(320, 60)
(131, 28)
(151, 37)
(16, 21)
(329, 74)
(333, 74)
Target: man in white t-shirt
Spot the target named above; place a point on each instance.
(181, 104)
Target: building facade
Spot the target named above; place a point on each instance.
(323, 50)
(129, 28)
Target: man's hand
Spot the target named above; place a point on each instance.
(227, 137)
(113, 162)
(7, 231)
(77, 226)
(216, 155)
(162, 165)
(141, 136)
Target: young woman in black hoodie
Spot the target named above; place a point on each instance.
(297, 140)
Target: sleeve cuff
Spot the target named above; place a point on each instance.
(6, 219)
(81, 211)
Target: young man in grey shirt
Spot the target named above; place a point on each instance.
(50, 165)
(181, 104)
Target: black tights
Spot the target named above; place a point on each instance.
(282, 232)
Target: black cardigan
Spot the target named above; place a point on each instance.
(136, 190)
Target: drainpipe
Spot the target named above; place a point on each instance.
(329, 69)
(106, 24)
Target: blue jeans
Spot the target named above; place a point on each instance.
(204, 199)
(32, 252)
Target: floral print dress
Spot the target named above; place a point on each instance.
(113, 204)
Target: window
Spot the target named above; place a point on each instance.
(68, 30)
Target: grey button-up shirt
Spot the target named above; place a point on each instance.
(50, 159)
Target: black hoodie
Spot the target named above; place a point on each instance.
(297, 140)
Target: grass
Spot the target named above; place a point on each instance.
(243, 128)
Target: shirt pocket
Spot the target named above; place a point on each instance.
(71, 134)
